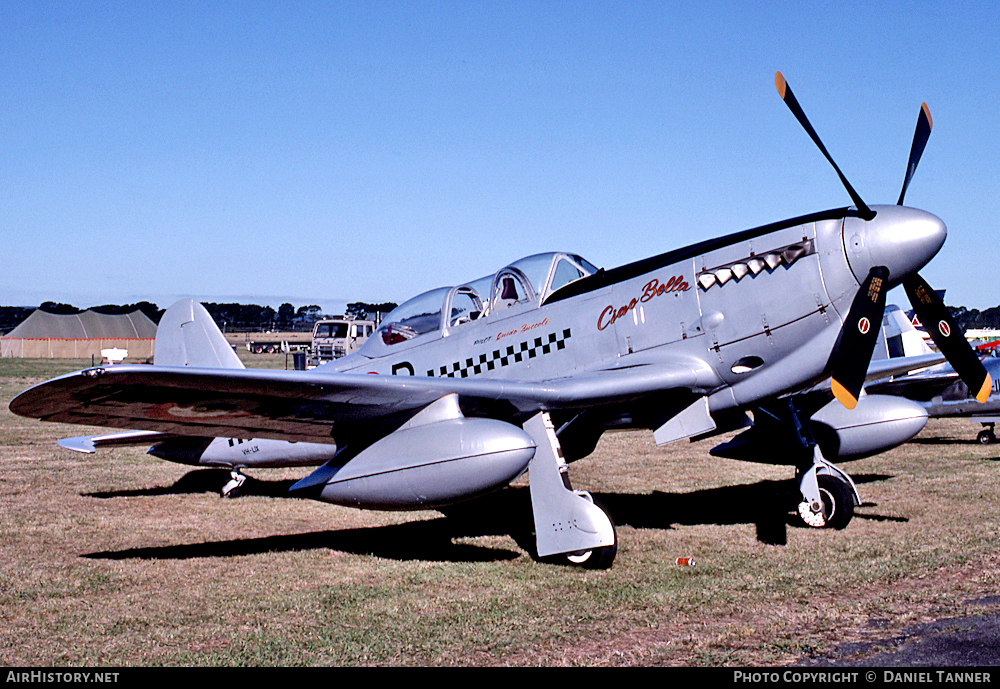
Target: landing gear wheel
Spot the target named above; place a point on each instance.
(233, 486)
(986, 437)
(838, 505)
(596, 558)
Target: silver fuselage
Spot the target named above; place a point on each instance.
(757, 313)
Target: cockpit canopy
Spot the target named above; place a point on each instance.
(523, 285)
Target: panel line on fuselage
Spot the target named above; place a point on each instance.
(605, 278)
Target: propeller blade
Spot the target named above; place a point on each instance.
(949, 339)
(850, 358)
(920, 136)
(785, 91)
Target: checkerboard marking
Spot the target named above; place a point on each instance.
(505, 356)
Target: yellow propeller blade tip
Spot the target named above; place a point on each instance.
(780, 82)
(984, 392)
(843, 395)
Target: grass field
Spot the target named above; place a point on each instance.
(121, 559)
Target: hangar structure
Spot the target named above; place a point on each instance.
(45, 335)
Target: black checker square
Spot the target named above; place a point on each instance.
(512, 354)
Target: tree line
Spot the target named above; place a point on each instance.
(254, 318)
(229, 317)
(973, 319)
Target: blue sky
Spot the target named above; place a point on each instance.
(316, 152)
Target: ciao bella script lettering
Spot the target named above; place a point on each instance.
(653, 288)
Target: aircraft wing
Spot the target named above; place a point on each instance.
(884, 368)
(314, 406)
(910, 381)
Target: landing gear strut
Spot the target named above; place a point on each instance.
(828, 494)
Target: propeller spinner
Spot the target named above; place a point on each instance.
(849, 361)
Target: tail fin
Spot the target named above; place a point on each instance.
(187, 336)
(898, 337)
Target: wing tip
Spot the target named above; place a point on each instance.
(83, 444)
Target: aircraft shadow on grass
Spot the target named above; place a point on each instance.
(766, 504)
(205, 481)
(932, 440)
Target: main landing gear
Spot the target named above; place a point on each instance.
(829, 496)
(569, 527)
(232, 487)
(987, 435)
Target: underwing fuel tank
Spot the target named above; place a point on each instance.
(878, 423)
(438, 458)
(883, 423)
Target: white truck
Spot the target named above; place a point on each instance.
(335, 337)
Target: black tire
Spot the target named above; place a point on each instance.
(985, 438)
(838, 501)
(597, 558)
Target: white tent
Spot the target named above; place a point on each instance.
(81, 335)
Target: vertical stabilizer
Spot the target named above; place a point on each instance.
(187, 336)
(898, 337)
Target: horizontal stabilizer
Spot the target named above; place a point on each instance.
(884, 368)
(90, 443)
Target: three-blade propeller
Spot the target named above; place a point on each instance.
(852, 353)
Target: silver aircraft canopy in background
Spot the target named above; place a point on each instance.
(525, 369)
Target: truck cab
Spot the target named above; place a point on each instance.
(335, 337)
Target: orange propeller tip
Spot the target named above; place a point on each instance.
(984, 392)
(843, 395)
(927, 114)
(779, 81)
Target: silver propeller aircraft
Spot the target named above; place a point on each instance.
(943, 394)
(526, 368)
(187, 336)
(939, 389)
